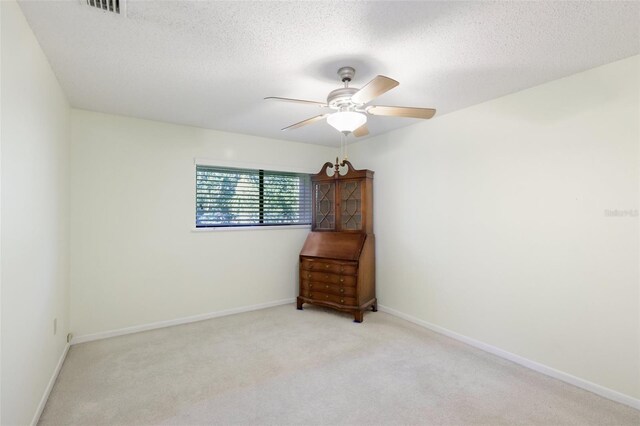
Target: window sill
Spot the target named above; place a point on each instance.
(249, 228)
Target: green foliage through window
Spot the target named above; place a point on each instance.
(244, 197)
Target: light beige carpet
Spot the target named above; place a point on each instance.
(281, 366)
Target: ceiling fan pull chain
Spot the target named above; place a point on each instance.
(346, 149)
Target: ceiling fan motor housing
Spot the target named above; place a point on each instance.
(341, 98)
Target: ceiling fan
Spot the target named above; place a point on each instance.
(350, 105)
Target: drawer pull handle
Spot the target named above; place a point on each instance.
(310, 294)
(341, 280)
(326, 276)
(310, 285)
(327, 296)
(308, 275)
(326, 266)
(342, 269)
(342, 290)
(341, 300)
(327, 286)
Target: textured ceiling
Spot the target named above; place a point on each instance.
(210, 64)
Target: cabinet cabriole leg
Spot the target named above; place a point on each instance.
(299, 303)
(358, 316)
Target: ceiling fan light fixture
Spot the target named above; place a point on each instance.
(346, 121)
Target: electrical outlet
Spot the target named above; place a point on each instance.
(55, 325)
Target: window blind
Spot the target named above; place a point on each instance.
(243, 197)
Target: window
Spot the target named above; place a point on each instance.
(227, 197)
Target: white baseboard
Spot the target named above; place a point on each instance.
(177, 321)
(541, 368)
(47, 391)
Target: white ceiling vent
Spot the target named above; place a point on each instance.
(112, 6)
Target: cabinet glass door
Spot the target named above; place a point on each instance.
(325, 203)
(351, 205)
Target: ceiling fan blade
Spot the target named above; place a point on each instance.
(298, 101)
(305, 122)
(376, 87)
(393, 111)
(361, 131)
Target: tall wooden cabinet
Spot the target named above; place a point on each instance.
(337, 261)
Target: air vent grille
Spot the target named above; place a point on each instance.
(106, 5)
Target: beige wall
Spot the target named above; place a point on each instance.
(135, 258)
(490, 222)
(35, 219)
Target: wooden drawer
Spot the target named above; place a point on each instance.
(329, 288)
(327, 297)
(330, 266)
(322, 277)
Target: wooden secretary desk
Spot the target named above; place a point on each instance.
(337, 260)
